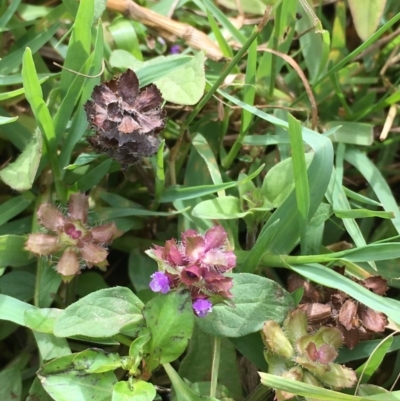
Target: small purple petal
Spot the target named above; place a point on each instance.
(175, 49)
(202, 307)
(160, 283)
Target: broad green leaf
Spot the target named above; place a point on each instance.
(37, 392)
(97, 361)
(366, 16)
(279, 181)
(222, 208)
(13, 207)
(13, 310)
(100, 314)
(173, 312)
(149, 71)
(10, 383)
(50, 346)
(256, 300)
(20, 174)
(64, 382)
(12, 251)
(43, 319)
(186, 84)
(182, 390)
(137, 391)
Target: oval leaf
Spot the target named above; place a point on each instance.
(100, 314)
(256, 299)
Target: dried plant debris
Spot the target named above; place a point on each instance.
(327, 306)
(127, 120)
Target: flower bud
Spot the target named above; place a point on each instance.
(276, 340)
(338, 376)
(295, 325)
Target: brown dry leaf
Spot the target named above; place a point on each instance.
(348, 315)
(371, 319)
(377, 284)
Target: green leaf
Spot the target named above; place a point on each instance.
(224, 208)
(42, 320)
(138, 391)
(279, 181)
(21, 174)
(353, 133)
(204, 150)
(12, 208)
(79, 44)
(174, 193)
(186, 84)
(367, 369)
(64, 382)
(366, 16)
(97, 361)
(100, 314)
(256, 300)
(198, 361)
(7, 120)
(182, 390)
(299, 171)
(13, 310)
(18, 284)
(94, 176)
(14, 59)
(37, 392)
(10, 383)
(305, 390)
(362, 214)
(12, 251)
(376, 181)
(173, 312)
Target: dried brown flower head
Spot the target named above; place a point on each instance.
(327, 306)
(71, 239)
(127, 120)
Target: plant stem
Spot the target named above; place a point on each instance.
(215, 366)
(122, 339)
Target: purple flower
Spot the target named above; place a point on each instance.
(160, 283)
(175, 49)
(202, 307)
